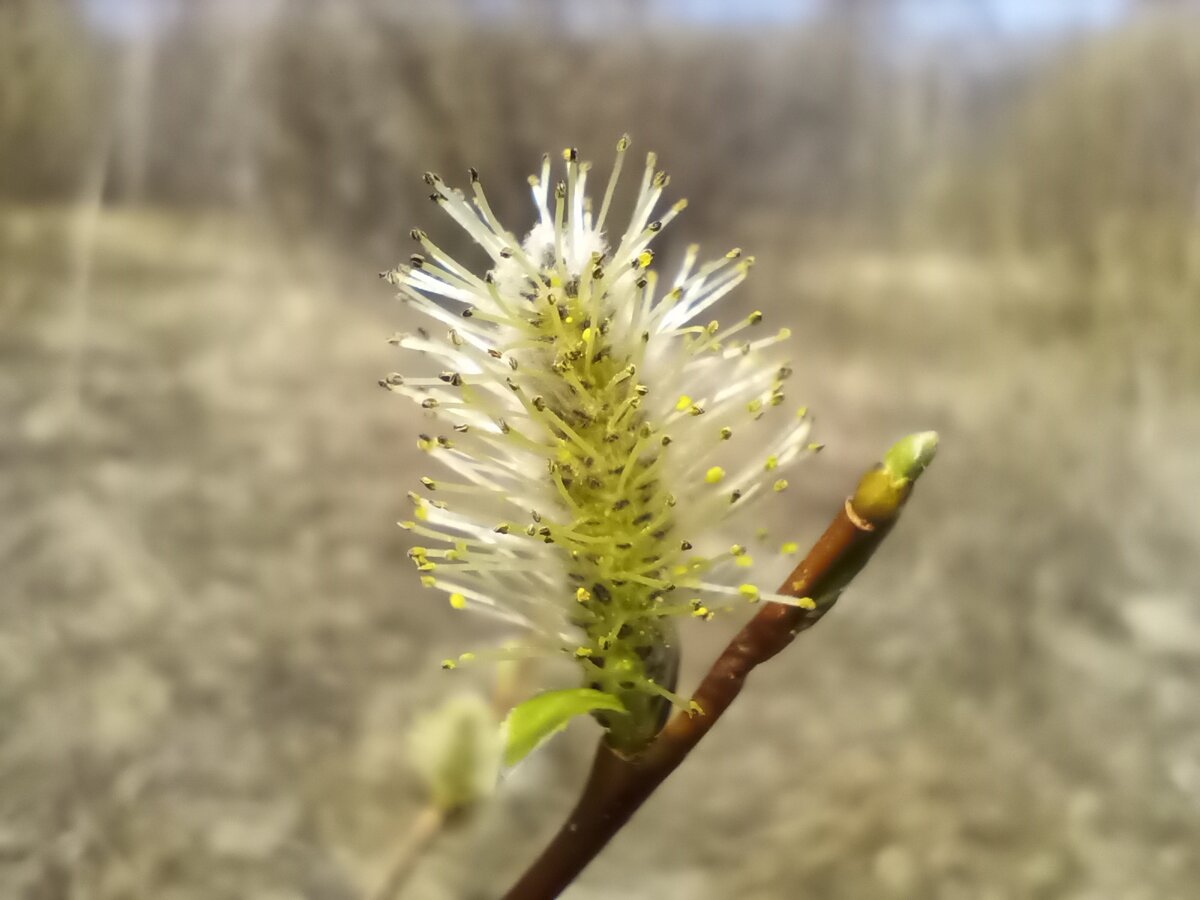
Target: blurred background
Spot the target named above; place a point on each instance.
(980, 217)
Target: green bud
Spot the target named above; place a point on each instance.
(883, 490)
(456, 748)
(911, 455)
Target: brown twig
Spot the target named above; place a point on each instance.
(618, 784)
(412, 846)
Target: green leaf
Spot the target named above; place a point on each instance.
(531, 723)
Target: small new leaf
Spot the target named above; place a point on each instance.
(531, 723)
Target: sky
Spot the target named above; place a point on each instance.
(921, 18)
(924, 17)
(1012, 17)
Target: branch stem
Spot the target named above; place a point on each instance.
(618, 784)
(409, 851)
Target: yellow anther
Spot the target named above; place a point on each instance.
(806, 603)
(683, 402)
(780, 485)
(583, 595)
(745, 561)
(749, 591)
(645, 258)
(448, 664)
(583, 652)
(466, 657)
(790, 548)
(458, 601)
(713, 475)
(771, 463)
(428, 581)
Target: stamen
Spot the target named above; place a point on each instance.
(622, 146)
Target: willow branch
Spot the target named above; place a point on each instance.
(619, 784)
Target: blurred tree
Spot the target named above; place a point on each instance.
(1099, 144)
(50, 98)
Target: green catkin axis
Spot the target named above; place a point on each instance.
(605, 465)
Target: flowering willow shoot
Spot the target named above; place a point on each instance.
(606, 443)
(608, 449)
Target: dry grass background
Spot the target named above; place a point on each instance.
(212, 645)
